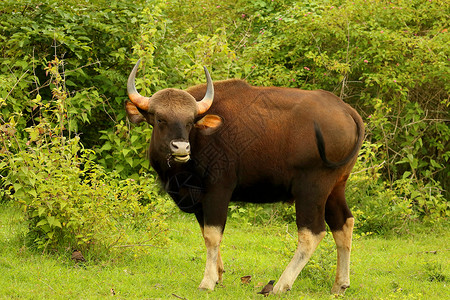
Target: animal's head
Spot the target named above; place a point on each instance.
(173, 113)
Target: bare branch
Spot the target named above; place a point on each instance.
(17, 82)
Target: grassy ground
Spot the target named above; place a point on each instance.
(412, 266)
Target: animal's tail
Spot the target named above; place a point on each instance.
(321, 145)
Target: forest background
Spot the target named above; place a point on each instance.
(65, 140)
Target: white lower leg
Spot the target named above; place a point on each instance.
(307, 243)
(343, 239)
(212, 236)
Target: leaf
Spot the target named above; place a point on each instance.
(412, 161)
(54, 222)
(41, 210)
(34, 134)
(119, 168)
(62, 204)
(17, 186)
(42, 223)
(134, 138)
(106, 146)
(246, 279)
(435, 164)
(125, 152)
(414, 194)
(57, 223)
(129, 160)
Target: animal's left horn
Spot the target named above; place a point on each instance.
(138, 100)
(206, 102)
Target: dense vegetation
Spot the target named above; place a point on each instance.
(70, 158)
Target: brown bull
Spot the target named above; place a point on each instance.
(255, 144)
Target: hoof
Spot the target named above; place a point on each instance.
(281, 288)
(339, 289)
(207, 285)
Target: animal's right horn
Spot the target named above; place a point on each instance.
(138, 100)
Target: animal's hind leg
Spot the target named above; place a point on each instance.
(310, 207)
(341, 221)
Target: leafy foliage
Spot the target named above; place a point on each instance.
(380, 207)
(69, 200)
(93, 37)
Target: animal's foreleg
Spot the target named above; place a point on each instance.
(307, 243)
(213, 237)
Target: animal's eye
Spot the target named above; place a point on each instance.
(160, 123)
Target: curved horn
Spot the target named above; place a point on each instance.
(206, 102)
(138, 100)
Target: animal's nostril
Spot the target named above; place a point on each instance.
(180, 147)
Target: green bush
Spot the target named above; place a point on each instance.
(72, 202)
(123, 150)
(380, 206)
(68, 199)
(95, 40)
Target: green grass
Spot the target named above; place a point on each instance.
(404, 267)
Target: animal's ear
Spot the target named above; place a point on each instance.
(133, 113)
(209, 124)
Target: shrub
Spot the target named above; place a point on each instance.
(95, 40)
(380, 206)
(68, 199)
